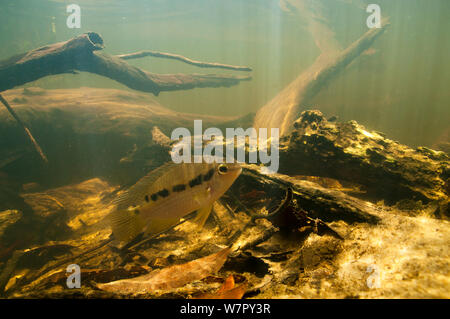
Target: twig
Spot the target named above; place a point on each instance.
(286, 201)
(27, 131)
(181, 58)
(268, 232)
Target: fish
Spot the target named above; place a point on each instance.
(160, 199)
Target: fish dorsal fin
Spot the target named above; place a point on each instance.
(138, 191)
(160, 183)
(179, 174)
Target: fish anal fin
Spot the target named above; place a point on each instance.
(202, 215)
(157, 225)
(126, 224)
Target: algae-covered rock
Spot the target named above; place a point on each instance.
(347, 151)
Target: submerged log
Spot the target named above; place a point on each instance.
(90, 133)
(283, 109)
(82, 54)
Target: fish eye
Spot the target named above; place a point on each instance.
(223, 169)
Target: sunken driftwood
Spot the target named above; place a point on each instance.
(82, 53)
(90, 132)
(78, 54)
(284, 109)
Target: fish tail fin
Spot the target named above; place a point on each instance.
(202, 215)
(126, 224)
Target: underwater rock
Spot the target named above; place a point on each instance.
(346, 151)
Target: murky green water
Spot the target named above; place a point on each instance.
(399, 88)
(348, 205)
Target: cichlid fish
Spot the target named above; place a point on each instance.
(160, 199)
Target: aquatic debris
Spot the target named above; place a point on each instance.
(171, 277)
(25, 128)
(228, 290)
(160, 199)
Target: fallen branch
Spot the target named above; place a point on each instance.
(284, 109)
(200, 64)
(78, 54)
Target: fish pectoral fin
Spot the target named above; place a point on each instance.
(126, 224)
(157, 225)
(202, 215)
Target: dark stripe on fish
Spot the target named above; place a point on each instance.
(163, 193)
(196, 181)
(154, 197)
(208, 175)
(146, 198)
(179, 188)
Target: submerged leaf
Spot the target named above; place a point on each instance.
(228, 290)
(170, 277)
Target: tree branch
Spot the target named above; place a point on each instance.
(284, 109)
(181, 58)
